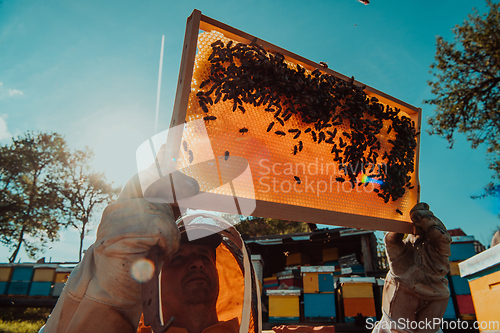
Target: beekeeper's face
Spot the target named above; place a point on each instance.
(190, 277)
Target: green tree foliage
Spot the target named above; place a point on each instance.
(84, 191)
(29, 169)
(44, 188)
(467, 85)
(254, 227)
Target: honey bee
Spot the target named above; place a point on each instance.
(185, 145)
(191, 156)
(280, 133)
(243, 130)
(297, 179)
(226, 155)
(398, 211)
(270, 126)
(209, 118)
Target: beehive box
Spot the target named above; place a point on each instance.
(483, 273)
(43, 280)
(462, 250)
(357, 297)
(5, 275)
(319, 306)
(331, 254)
(318, 279)
(288, 138)
(21, 279)
(44, 274)
(297, 259)
(61, 277)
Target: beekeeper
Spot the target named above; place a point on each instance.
(207, 284)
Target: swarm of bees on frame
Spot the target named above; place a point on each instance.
(242, 73)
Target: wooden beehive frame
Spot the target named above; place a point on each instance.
(197, 22)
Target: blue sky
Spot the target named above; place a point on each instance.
(89, 70)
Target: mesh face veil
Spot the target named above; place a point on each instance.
(239, 294)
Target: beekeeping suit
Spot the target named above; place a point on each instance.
(102, 296)
(416, 289)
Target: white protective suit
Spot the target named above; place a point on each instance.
(102, 296)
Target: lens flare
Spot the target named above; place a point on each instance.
(142, 270)
(366, 179)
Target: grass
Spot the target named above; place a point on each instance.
(22, 320)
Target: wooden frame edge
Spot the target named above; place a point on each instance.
(223, 203)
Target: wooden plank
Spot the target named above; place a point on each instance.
(222, 203)
(184, 82)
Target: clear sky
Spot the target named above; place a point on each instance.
(89, 70)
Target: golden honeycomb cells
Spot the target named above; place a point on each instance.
(281, 171)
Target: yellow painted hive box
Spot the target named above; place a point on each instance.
(5, 273)
(357, 290)
(284, 304)
(44, 274)
(483, 273)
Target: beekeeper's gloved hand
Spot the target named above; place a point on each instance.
(101, 295)
(416, 291)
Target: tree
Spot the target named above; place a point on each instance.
(254, 227)
(30, 168)
(467, 86)
(84, 191)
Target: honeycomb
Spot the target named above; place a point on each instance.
(287, 163)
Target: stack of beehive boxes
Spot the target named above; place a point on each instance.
(319, 293)
(62, 275)
(356, 297)
(290, 278)
(350, 265)
(462, 248)
(43, 280)
(271, 283)
(21, 279)
(297, 259)
(33, 280)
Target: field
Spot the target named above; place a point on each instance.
(22, 320)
